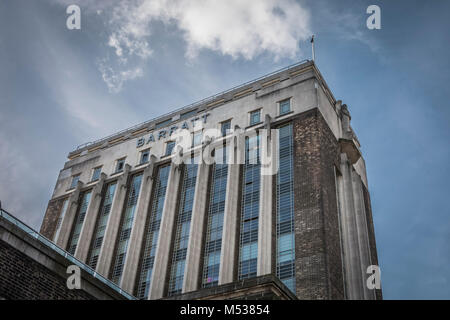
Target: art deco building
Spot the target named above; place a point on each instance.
(283, 203)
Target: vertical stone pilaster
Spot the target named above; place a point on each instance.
(371, 234)
(109, 241)
(90, 220)
(194, 264)
(228, 254)
(137, 232)
(160, 269)
(68, 221)
(363, 239)
(265, 220)
(352, 262)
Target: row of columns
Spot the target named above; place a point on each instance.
(194, 265)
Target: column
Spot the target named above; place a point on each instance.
(349, 233)
(363, 240)
(194, 263)
(90, 220)
(68, 221)
(160, 269)
(265, 236)
(228, 253)
(137, 232)
(109, 242)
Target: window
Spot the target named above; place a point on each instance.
(79, 221)
(188, 114)
(125, 228)
(96, 173)
(152, 232)
(182, 229)
(75, 180)
(197, 138)
(102, 221)
(145, 156)
(285, 106)
(162, 124)
(285, 248)
(120, 164)
(169, 147)
(214, 227)
(255, 117)
(248, 240)
(225, 126)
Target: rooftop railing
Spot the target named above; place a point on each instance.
(197, 103)
(32, 233)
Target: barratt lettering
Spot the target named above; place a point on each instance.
(162, 134)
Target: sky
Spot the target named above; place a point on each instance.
(138, 59)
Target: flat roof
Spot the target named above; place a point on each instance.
(208, 103)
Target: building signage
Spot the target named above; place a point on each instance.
(169, 131)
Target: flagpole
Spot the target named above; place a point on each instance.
(312, 47)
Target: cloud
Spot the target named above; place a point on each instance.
(236, 28)
(115, 79)
(232, 27)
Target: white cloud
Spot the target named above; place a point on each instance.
(115, 79)
(234, 27)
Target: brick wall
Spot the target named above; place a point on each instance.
(23, 278)
(50, 220)
(317, 242)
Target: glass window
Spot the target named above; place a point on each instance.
(255, 117)
(285, 255)
(101, 225)
(225, 126)
(188, 114)
(214, 228)
(120, 165)
(197, 138)
(96, 173)
(79, 220)
(75, 180)
(125, 228)
(162, 124)
(248, 239)
(285, 106)
(152, 232)
(169, 147)
(145, 156)
(182, 229)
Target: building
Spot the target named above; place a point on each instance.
(33, 268)
(285, 197)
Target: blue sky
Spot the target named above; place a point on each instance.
(129, 63)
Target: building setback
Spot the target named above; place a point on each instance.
(127, 207)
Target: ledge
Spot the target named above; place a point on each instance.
(349, 147)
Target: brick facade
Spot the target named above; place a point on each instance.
(317, 241)
(22, 278)
(49, 223)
